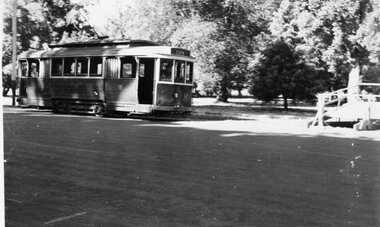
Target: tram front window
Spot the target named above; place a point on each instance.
(24, 68)
(189, 72)
(34, 68)
(179, 72)
(166, 70)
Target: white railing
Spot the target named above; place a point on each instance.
(338, 96)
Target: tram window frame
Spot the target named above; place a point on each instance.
(189, 72)
(57, 67)
(179, 71)
(33, 68)
(80, 70)
(128, 67)
(69, 67)
(167, 77)
(24, 68)
(95, 66)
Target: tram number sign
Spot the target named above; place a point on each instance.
(178, 51)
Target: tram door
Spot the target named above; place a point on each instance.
(146, 75)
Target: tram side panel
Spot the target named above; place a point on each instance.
(38, 92)
(77, 93)
(121, 83)
(121, 94)
(22, 97)
(173, 95)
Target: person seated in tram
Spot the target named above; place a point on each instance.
(34, 72)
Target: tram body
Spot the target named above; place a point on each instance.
(134, 76)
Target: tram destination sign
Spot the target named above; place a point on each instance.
(179, 51)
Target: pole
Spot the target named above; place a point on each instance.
(369, 112)
(14, 52)
(2, 197)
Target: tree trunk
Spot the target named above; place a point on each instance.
(285, 102)
(223, 90)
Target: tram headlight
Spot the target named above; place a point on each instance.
(176, 95)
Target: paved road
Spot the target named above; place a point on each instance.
(71, 170)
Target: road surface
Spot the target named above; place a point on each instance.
(73, 170)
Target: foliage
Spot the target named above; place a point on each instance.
(326, 33)
(198, 36)
(148, 19)
(41, 22)
(237, 25)
(368, 33)
(281, 71)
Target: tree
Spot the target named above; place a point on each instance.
(368, 32)
(281, 71)
(198, 35)
(147, 19)
(42, 22)
(237, 25)
(326, 33)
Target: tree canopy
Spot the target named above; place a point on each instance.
(42, 22)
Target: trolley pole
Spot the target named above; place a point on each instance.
(14, 52)
(2, 184)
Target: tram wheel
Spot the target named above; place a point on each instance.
(57, 107)
(99, 111)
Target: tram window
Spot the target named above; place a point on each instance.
(96, 66)
(44, 68)
(179, 71)
(126, 70)
(24, 68)
(69, 67)
(128, 67)
(82, 67)
(34, 68)
(57, 67)
(189, 72)
(166, 70)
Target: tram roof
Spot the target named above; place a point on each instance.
(107, 43)
(104, 49)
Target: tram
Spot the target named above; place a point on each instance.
(132, 76)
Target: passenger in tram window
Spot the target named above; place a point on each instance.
(34, 72)
(166, 70)
(180, 71)
(127, 70)
(72, 70)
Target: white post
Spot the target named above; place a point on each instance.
(369, 112)
(354, 80)
(321, 109)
